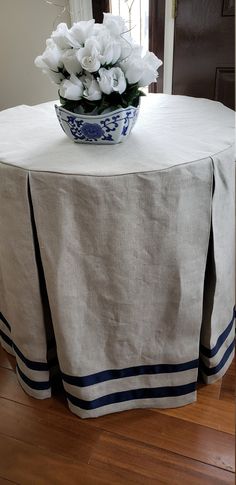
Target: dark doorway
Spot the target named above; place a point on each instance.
(100, 6)
(204, 63)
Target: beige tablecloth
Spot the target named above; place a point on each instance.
(117, 262)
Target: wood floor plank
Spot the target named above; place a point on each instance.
(227, 392)
(213, 413)
(211, 390)
(194, 443)
(72, 438)
(191, 440)
(154, 463)
(10, 389)
(29, 465)
(7, 361)
(4, 481)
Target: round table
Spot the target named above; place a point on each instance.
(117, 262)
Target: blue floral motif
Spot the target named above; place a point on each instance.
(85, 131)
(110, 124)
(92, 131)
(129, 115)
(104, 130)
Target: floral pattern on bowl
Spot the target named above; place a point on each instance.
(107, 128)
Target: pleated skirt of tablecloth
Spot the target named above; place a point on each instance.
(122, 285)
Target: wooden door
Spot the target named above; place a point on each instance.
(156, 38)
(100, 6)
(203, 64)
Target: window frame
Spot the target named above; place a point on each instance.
(80, 10)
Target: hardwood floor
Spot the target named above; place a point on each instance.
(42, 442)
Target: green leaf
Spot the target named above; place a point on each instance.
(129, 98)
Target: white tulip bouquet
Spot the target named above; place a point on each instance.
(98, 67)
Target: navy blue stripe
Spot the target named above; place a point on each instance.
(5, 321)
(5, 338)
(211, 352)
(51, 344)
(210, 371)
(139, 370)
(38, 366)
(40, 386)
(145, 393)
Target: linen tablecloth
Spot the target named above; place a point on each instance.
(117, 262)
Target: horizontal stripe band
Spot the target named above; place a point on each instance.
(139, 370)
(210, 371)
(33, 365)
(51, 343)
(145, 393)
(39, 366)
(212, 352)
(40, 386)
(5, 321)
(6, 338)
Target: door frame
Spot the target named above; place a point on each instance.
(170, 14)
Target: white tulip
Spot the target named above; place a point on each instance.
(133, 69)
(109, 48)
(114, 23)
(104, 55)
(80, 31)
(129, 49)
(63, 38)
(39, 62)
(70, 61)
(111, 80)
(151, 60)
(92, 91)
(149, 76)
(56, 77)
(51, 57)
(141, 70)
(72, 88)
(99, 29)
(119, 82)
(105, 81)
(150, 64)
(88, 56)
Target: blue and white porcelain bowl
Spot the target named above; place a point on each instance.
(109, 128)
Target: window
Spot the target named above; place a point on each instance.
(145, 18)
(136, 15)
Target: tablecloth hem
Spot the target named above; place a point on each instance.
(211, 379)
(126, 406)
(123, 174)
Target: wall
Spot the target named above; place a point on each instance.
(24, 27)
